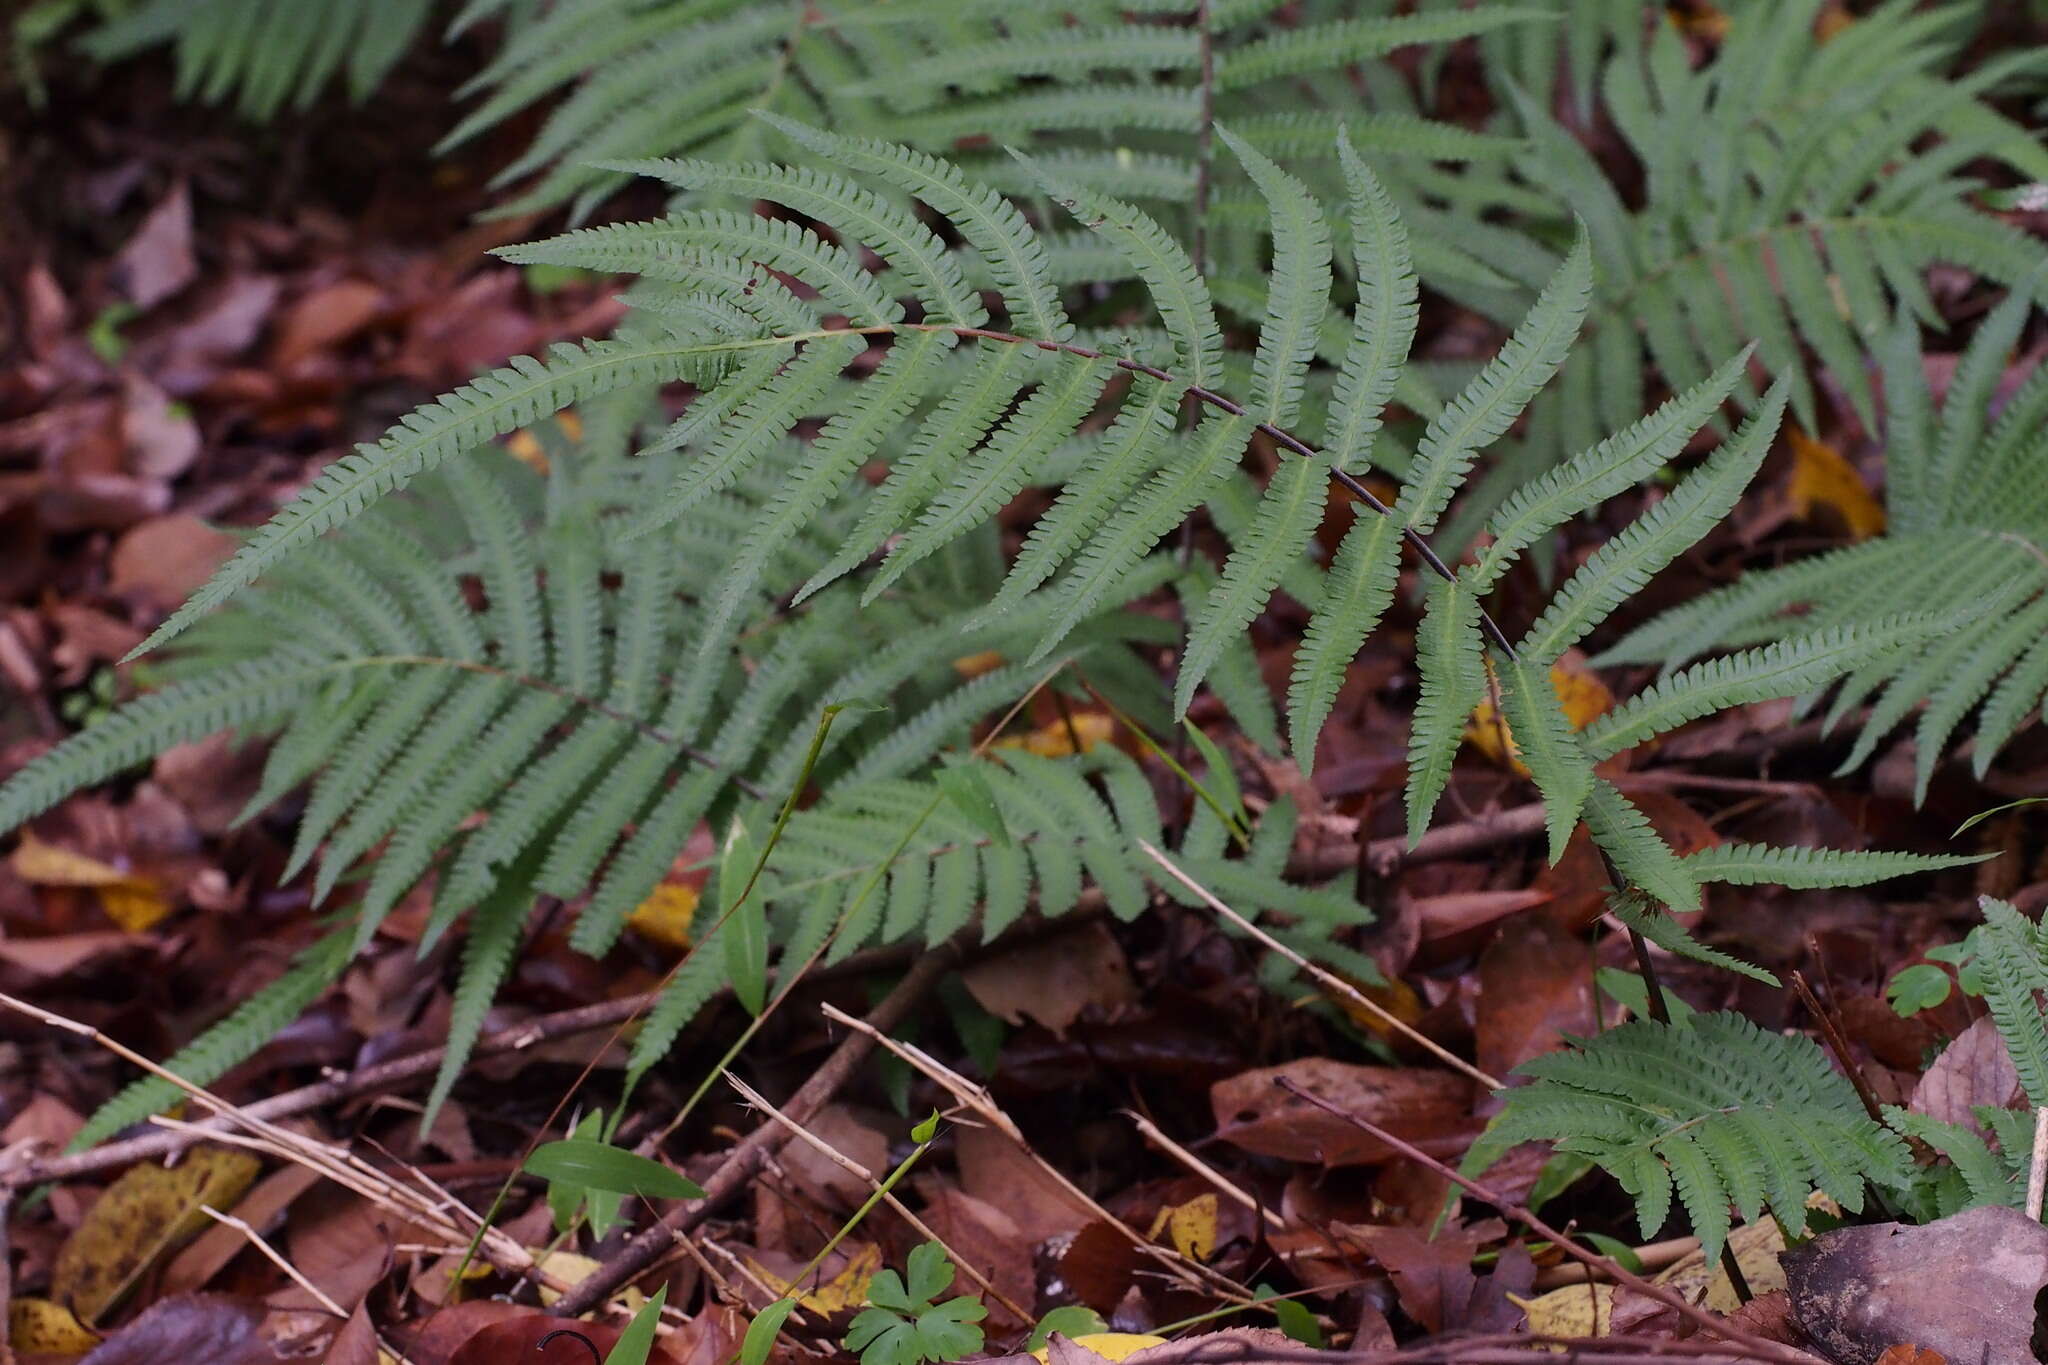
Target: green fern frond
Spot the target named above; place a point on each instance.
(1812, 868)
(1720, 1109)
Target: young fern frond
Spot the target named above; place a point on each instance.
(1716, 1108)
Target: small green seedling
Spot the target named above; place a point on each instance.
(902, 1326)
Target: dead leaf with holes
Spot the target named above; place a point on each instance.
(143, 1215)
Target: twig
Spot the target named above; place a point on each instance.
(1721, 1327)
(270, 1252)
(2037, 1167)
(978, 1102)
(745, 1159)
(1151, 1133)
(1328, 980)
(1839, 1045)
(863, 1174)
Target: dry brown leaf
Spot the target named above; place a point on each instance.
(997, 1170)
(1535, 986)
(355, 1343)
(1823, 478)
(1974, 1069)
(1054, 980)
(1903, 1354)
(163, 560)
(1432, 1109)
(157, 261)
(326, 317)
(145, 1213)
(194, 1268)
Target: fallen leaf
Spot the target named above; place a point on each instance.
(1963, 1287)
(324, 318)
(1535, 986)
(1577, 1310)
(1055, 979)
(163, 560)
(216, 1328)
(1580, 693)
(355, 1343)
(1757, 1246)
(846, 1290)
(40, 1326)
(1822, 478)
(1432, 1275)
(1974, 1069)
(1431, 1109)
(997, 1170)
(1191, 1227)
(572, 1266)
(145, 1213)
(194, 1268)
(519, 1339)
(983, 1235)
(1395, 996)
(1056, 740)
(133, 902)
(157, 261)
(162, 439)
(1903, 1354)
(665, 916)
(1110, 1346)
(972, 666)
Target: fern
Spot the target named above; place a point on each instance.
(1968, 525)
(1795, 189)
(1715, 1108)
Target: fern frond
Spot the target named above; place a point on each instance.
(1728, 1112)
(1812, 868)
(2013, 968)
(1449, 657)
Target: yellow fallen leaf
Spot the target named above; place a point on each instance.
(1822, 477)
(842, 1293)
(1057, 739)
(1579, 691)
(135, 903)
(144, 1214)
(1396, 997)
(971, 666)
(1190, 1226)
(1577, 1310)
(1757, 1248)
(664, 917)
(1699, 19)
(527, 447)
(1111, 1346)
(40, 1326)
(570, 1267)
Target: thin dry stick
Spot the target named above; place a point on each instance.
(1328, 980)
(1839, 1045)
(1151, 1133)
(977, 1101)
(336, 1164)
(2037, 1167)
(1721, 1327)
(867, 1177)
(270, 1253)
(745, 1159)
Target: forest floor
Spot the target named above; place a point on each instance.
(200, 314)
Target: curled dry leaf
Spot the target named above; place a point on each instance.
(1432, 1109)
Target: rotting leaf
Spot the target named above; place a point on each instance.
(1577, 1310)
(1580, 693)
(145, 1213)
(666, 915)
(1429, 1108)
